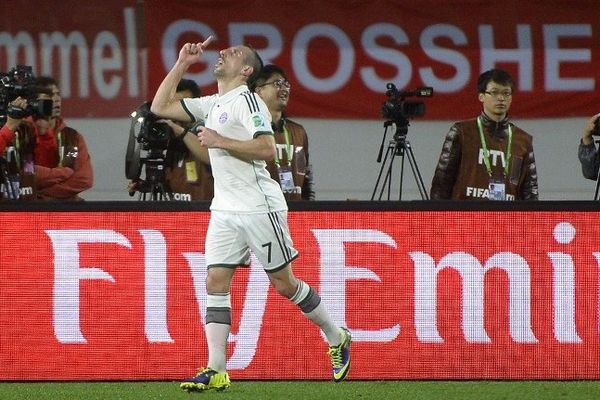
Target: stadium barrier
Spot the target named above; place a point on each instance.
(115, 291)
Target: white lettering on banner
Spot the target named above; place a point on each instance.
(100, 65)
(170, 48)
(335, 273)
(155, 286)
(451, 57)
(132, 53)
(12, 45)
(563, 285)
(300, 46)
(106, 70)
(523, 56)
(597, 257)
(63, 44)
(554, 56)
(107, 41)
(472, 274)
(490, 56)
(239, 31)
(246, 339)
(68, 273)
(197, 263)
(393, 57)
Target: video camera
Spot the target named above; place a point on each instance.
(147, 134)
(20, 82)
(399, 110)
(153, 135)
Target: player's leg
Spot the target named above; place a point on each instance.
(225, 250)
(218, 326)
(309, 301)
(271, 242)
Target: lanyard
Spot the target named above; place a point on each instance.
(486, 152)
(60, 150)
(288, 149)
(17, 152)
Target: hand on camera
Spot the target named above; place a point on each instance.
(15, 113)
(591, 128)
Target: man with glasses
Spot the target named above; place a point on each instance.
(487, 157)
(291, 166)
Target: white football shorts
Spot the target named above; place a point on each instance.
(231, 237)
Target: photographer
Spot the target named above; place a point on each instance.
(487, 157)
(52, 158)
(588, 154)
(291, 166)
(187, 167)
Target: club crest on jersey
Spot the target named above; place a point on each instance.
(258, 121)
(223, 118)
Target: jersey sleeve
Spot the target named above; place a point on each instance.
(197, 108)
(255, 115)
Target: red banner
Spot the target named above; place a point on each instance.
(426, 294)
(92, 48)
(340, 55)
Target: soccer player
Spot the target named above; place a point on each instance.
(248, 211)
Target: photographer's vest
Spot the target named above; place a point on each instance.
(23, 160)
(290, 140)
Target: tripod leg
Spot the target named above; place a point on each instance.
(385, 159)
(388, 177)
(401, 174)
(416, 173)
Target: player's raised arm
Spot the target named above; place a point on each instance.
(165, 104)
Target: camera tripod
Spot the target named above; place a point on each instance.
(398, 146)
(9, 178)
(154, 185)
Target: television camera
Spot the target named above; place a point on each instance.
(398, 111)
(148, 141)
(20, 82)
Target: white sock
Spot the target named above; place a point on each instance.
(218, 326)
(216, 338)
(321, 317)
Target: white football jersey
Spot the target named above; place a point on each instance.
(240, 185)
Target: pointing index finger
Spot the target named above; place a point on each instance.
(205, 44)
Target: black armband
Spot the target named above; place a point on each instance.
(185, 132)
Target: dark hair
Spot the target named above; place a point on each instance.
(267, 72)
(494, 75)
(43, 83)
(188, 84)
(257, 65)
